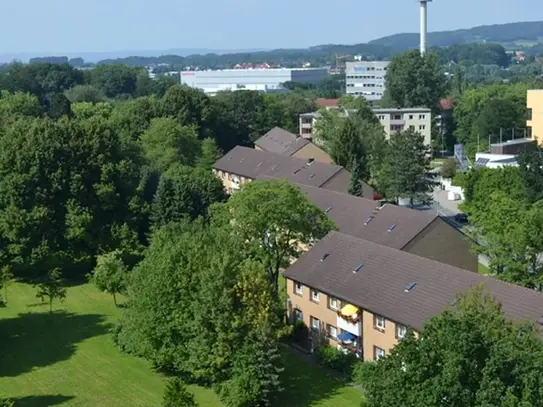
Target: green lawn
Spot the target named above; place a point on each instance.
(482, 269)
(68, 358)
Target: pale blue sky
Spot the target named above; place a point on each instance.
(115, 25)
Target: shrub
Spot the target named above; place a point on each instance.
(337, 360)
(362, 371)
(448, 169)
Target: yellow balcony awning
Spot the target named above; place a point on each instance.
(349, 310)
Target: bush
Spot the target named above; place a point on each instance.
(460, 180)
(362, 371)
(448, 169)
(337, 360)
(300, 334)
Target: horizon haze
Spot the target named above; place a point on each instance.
(123, 28)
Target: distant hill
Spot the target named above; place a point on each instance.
(498, 33)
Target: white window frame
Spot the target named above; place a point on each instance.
(379, 326)
(422, 127)
(333, 336)
(334, 307)
(401, 331)
(422, 116)
(315, 295)
(318, 325)
(298, 288)
(379, 353)
(298, 315)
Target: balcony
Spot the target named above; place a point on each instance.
(349, 319)
(397, 122)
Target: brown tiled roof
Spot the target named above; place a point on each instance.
(280, 141)
(361, 217)
(256, 164)
(321, 102)
(380, 284)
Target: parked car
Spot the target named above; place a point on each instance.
(461, 217)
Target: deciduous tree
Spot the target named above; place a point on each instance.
(166, 142)
(110, 274)
(51, 287)
(276, 219)
(413, 80)
(177, 395)
(472, 356)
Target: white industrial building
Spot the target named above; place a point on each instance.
(366, 79)
(262, 80)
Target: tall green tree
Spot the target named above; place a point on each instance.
(275, 218)
(6, 277)
(471, 356)
(531, 172)
(413, 80)
(177, 395)
(115, 80)
(184, 192)
(209, 154)
(51, 287)
(110, 274)
(84, 93)
(355, 186)
(405, 170)
(166, 143)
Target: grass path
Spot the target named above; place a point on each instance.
(68, 358)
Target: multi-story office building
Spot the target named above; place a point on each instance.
(263, 80)
(364, 297)
(366, 79)
(534, 124)
(418, 119)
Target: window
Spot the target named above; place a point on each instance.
(410, 117)
(314, 296)
(411, 127)
(401, 330)
(298, 315)
(381, 117)
(529, 114)
(333, 303)
(332, 331)
(379, 322)
(422, 116)
(396, 127)
(298, 289)
(397, 117)
(378, 353)
(315, 324)
(422, 127)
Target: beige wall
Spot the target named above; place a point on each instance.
(535, 103)
(312, 151)
(442, 242)
(371, 336)
(258, 148)
(310, 309)
(227, 180)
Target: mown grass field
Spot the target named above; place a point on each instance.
(68, 359)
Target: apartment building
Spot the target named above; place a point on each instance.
(364, 297)
(280, 141)
(418, 119)
(243, 164)
(366, 79)
(418, 232)
(534, 103)
(392, 120)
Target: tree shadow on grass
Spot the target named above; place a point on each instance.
(41, 401)
(305, 382)
(35, 340)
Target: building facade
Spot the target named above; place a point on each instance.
(364, 297)
(534, 103)
(263, 80)
(392, 120)
(366, 79)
